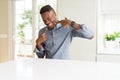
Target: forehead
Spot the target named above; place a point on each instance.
(48, 13)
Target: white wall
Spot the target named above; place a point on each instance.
(84, 12)
(110, 5)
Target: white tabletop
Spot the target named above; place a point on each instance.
(48, 69)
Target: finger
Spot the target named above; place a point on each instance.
(44, 38)
(44, 34)
(45, 30)
(65, 18)
(59, 21)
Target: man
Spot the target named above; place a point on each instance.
(54, 40)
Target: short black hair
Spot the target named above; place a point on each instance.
(45, 9)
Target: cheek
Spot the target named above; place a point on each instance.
(53, 19)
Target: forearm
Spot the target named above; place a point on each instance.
(77, 29)
(38, 47)
(83, 31)
(40, 53)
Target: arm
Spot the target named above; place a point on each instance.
(77, 29)
(82, 31)
(39, 50)
(40, 53)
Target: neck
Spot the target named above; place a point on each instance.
(50, 28)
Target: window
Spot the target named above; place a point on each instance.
(108, 29)
(27, 24)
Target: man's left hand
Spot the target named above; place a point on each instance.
(65, 23)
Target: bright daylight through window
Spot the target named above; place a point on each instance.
(108, 30)
(27, 24)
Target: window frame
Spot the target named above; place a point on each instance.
(12, 27)
(101, 27)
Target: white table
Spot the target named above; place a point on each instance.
(48, 69)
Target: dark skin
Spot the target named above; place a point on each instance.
(50, 19)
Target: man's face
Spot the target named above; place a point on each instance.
(49, 18)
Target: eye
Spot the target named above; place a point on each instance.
(44, 21)
(49, 18)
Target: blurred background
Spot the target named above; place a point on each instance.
(20, 22)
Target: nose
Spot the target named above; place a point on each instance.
(47, 22)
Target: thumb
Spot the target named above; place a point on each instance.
(44, 32)
(65, 18)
